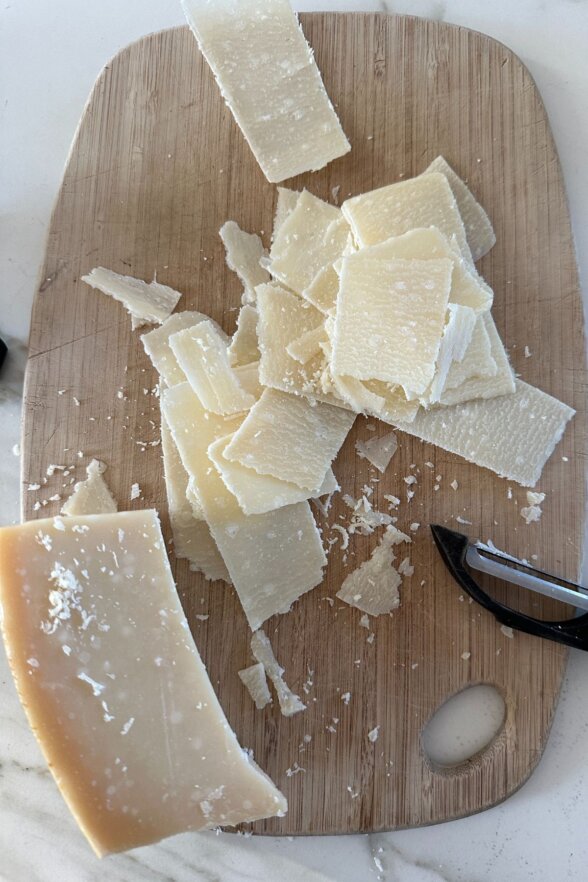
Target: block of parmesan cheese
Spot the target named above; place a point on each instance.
(243, 348)
(255, 681)
(192, 539)
(272, 558)
(501, 383)
(156, 344)
(202, 354)
(257, 494)
(477, 361)
(390, 318)
(148, 303)
(478, 226)
(373, 586)
(513, 435)
(313, 235)
(426, 201)
(283, 318)
(113, 685)
(269, 79)
(467, 287)
(262, 650)
(287, 437)
(91, 496)
(243, 254)
(285, 204)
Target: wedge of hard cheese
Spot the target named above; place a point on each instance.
(114, 687)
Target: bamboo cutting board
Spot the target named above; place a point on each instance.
(156, 168)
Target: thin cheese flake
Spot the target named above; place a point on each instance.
(191, 535)
(426, 201)
(148, 303)
(373, 586)
(120, 698)
(378, 451)
(272, 558)
(513, 435)
(313, 235)
(243, 253)
(261, 648)
(285, 204)
(478, 227)
(243, 348)
(156, 345)
(290, 439)
(457, 336)
(269, 79)
(202, 354)
(477, 361)
(308, 345)
(255, 681)
(429, 243)
(91, 496)
(255, 493)
(502, 382)
(390, 319)
(248, 378)
(283, 318)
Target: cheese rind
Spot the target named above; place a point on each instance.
(156, 344)
(91, 496)
(191, 535)
(255, 681)
(262, 650)
(390, 318)
(257, 494)
(272, 558)
(513, 435)
(478, 227)
(134, 734)
(426, 201)
(290, 439)
(243, 252)
(270, 81)
(202, 354)
(147, 302)
(243, 348)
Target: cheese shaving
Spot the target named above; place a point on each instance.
(147, 302)
(261, 648)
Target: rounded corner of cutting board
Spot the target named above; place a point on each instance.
(156, 167)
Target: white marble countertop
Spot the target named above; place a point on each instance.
(51, 54)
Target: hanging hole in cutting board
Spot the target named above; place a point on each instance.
(463, 726)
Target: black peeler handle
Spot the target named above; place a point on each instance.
(453, 548)
(3, 351)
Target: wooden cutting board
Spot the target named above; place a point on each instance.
(156, 167)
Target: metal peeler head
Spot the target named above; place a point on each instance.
(460, 556)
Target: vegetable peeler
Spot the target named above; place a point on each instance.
(460, 555)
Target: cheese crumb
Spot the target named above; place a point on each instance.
(365, 621)
(466, 655)
(507, 631)
(532, 512)
(373, 734)
(454, 485)
(135, 491)
(346, 697)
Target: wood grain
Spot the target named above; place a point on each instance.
(156, 168)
